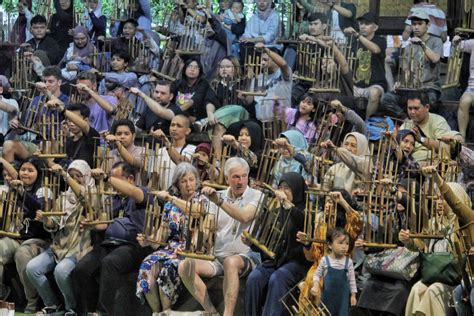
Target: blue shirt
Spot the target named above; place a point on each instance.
(269, 29)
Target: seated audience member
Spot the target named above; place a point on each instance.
(438, 24)
(278, 84)
(61, 23)
(303, 117)
(24, 144)
(234, 24)
(428, 127)
(42, 41)
(317, 27)
(99, 274)
(202, 162)
(238, 206)
(83, 139)
(21, 28)
(158, 280)
(175, 151)
(118, 74)
(468, 96)
(427, 48)
(102, 107)
(33, 238)
(95, 21)
(262, 27)
(271, 279)
(8, 106)
(370, 82)
(160, 109)
(79, 54)
(69, 243)
(122, 138)
(341, 15)
(193, 92)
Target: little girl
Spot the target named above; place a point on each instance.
(302, 118)
(337, 271)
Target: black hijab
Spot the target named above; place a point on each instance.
(255, 132)
(298, 188)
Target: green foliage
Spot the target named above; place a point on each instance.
(9, 6)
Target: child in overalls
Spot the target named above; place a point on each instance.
(337, 271)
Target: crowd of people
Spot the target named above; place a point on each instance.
(341, 174)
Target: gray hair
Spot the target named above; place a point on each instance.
(181, 170)
(235, 162)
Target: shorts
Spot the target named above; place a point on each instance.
(364, 92)
(251, 260)
(30, 147)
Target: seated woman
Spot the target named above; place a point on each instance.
(354, 163)
(69, 244)
(33, 238)
(424, 299)
(78, 56)
(246, 139)
(228, 107)
(158, 279)
(193, 92)
(289, 142)
(271, 279)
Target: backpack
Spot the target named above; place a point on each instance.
(377, 125)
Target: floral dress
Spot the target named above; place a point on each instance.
(162, 266)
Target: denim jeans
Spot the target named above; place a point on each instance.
(463, 308)
(45, 263)
(267, 285)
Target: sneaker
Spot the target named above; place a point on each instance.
(51, 310)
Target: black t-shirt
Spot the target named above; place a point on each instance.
(83, 148)
(149, 119)
(371, 67)
(201, 93)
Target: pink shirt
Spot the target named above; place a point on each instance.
(308, 128)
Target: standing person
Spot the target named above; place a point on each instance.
(95, 21)
(337, 270)
(370, 82)
(271, 279)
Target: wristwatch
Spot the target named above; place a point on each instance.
(423, 139)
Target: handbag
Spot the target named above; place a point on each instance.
(399, 263)
(442, 267)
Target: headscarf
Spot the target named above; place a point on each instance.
(97, 12)
(287, 164)
(298, 187)
(87, 50)
(255, 132)
(83, 167)
(404, 132)
(362, 143)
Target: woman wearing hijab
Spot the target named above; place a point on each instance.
(246, 139)
(354, 163)
(21, 29)
(401, 154)
(271, 279)
(69, 243)
(289, 142)
(61, 23)
(78, 55)
(95, 21)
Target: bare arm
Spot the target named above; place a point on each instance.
(6, 107)
(154, 106)
(126, 188)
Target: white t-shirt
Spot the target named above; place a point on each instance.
(277, 86)
(229, 230)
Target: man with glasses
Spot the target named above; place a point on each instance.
(234, 259)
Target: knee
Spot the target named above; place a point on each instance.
(8, 146)
(375, 94)
(32, 270)
(232, 264)
(22, 257)
(464, 103)
(62, 271)
(184, 267)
